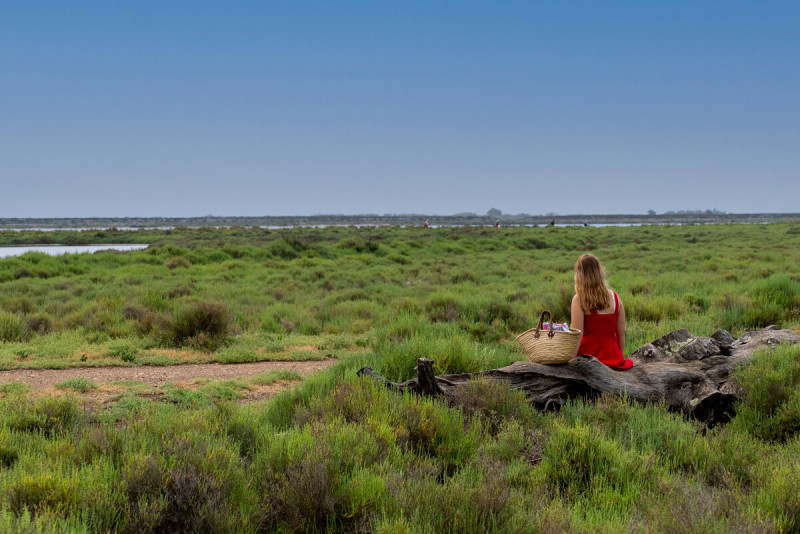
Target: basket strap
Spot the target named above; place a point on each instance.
(541, 322)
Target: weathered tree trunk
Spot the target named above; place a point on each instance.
(689, 374)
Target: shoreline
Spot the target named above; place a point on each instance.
(322, 221)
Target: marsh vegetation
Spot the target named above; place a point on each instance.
(338, 453)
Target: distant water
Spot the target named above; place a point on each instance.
(507, 224)
(57, 250)
(96, 228)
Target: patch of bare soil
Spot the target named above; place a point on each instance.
(104, 377)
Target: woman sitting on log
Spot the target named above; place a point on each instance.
(599, 314)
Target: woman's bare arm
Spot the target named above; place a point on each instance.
(576, 319)
(621, 326)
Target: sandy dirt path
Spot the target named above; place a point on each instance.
(39, 379)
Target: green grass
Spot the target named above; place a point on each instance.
(270, 377)
(328, 285)
(340, 454)
(14, 388)
(353, 453)
(80, 385)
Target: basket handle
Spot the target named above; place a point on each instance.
(551, 333)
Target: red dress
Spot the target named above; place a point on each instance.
(600, 338)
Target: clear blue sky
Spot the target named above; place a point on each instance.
(179, 108)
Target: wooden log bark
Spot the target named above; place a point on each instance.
(689, 374)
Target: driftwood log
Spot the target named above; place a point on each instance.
(689, 374)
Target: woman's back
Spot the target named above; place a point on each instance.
(600, 334)
(599, 314)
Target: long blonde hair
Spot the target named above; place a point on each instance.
(590, 284)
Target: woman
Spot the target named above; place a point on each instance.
(599, 314)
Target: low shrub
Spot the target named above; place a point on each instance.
(399, 258)
(179, 291)
(184, 487)
(304, 493)
(147, 320)
(40, 324)
(779, 290)
(559, 303)
(451, 351)
(778, 495)
(99, 441)
(155, 301)
(283, 250)
(530, 243)
(443, 307)
(177, 262)
(238, 354)
(770, 406)
(14, 388)
(733, 458)
(763, 314)
(732, 317)
(13, 327)
(48, 415)
(579, 463)
(201, 325)
(352, 402)
(653, 308)
(402, 327)
(19, 305)
(698, 303)
(80, 384)
(8, 452)
(462, 277)
(124, 349)
(493, 401)
(39, 491)
(429, 428)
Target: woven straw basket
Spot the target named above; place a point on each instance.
(549, 346)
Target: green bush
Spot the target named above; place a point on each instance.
(38, 493)
(14, 388)
(580, 463)
(177, 262)
(778, 494)
(185, 487)
(770, 406)
(443, 307)
(202, 325)
(494, 401)
(48, 415)
(402, 327)
(99, 442)
(352, 402)
(732, 317)
(13, 327)
(80, 384)
(19, 305)
(451, 353)
(40, 323)
(779, 290)
(124, 349)
(429, 428)
(763, 314)
(560, 302)
(8, 452)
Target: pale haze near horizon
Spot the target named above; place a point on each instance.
(180, 109)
